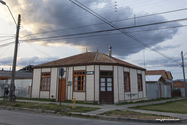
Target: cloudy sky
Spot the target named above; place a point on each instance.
(152, 34)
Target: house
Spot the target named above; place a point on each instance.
(158, 84)
(22, 81)
(178, 84)
(28, 68)
(90, 76)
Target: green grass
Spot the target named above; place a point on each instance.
(63, 109)
(53, 100)
(132, 114)
(142, 101)
(179, 106)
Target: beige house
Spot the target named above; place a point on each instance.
(90, 76)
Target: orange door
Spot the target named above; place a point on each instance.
(63, 94)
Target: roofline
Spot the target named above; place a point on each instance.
(92, 63)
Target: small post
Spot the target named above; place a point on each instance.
(185, 86)
(74, 100)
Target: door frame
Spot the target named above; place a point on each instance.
(105, 85)
(63, 85)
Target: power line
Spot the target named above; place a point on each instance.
(116, 27)
(3, 45)
(85, 33)
(6, 39)
(111, 21)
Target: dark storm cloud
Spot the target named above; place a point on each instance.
(58, 14)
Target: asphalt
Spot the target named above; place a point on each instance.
(109, 107)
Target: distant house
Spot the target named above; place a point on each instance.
(28, 68)
(179, 85)
(90, 76)
(23, 82)
(158, 84)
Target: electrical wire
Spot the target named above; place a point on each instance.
(85, 33)
(6, 39)
(3, 45)
(172, 11)
(114, 26)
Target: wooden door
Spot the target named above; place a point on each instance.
(160, 90)
(63, 94)
(106, 90)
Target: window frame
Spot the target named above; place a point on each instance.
(46, 75)
(129, 85)
(78, 74)
(139, 80)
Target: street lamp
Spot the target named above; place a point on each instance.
(4, 3)
(15, 52)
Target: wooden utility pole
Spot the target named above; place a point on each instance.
(185, 86)
(15, 59)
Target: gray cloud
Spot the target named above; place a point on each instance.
(164, 48)
(161, 62)
(55, 15)
(24, 61)
(6, 61)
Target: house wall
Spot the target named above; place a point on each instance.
(152, 91)
(36, 83)
(69, 89)
(97, 83)
(121, 83)
(21, 87)
(54, 83)
(92, 83)
(134, 84)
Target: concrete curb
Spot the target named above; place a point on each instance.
(99, 116)
(133, 120)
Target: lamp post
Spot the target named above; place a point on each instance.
(15, 52)
(4, 3)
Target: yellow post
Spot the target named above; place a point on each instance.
(74, 100)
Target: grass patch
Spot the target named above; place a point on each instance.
(63, 109)
(36, 99)
(142, 101)
(53, 100)
(179, 106)
(132, 114)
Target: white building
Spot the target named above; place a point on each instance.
(91, 76)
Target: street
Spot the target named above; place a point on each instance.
(25, 118)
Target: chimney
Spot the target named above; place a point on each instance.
(110, 51)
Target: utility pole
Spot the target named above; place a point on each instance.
(185, 86)
(15, 59)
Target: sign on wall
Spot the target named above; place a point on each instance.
(90, 73)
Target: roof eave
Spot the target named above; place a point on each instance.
(92, 63)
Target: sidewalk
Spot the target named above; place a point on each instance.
(107, 107)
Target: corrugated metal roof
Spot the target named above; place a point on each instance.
(152, 78)
(7, 74)
(88, 58)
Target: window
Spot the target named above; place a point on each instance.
(79, 81)
(45, 81)
(140, 88)
(126, 82)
